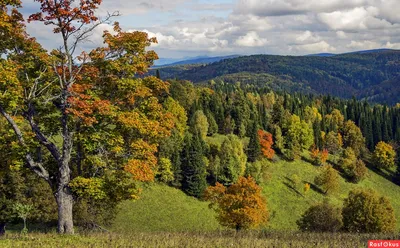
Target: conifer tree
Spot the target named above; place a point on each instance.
(193, 165)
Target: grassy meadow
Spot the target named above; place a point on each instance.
(166, 217)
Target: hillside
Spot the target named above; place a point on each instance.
(196, 60)
(361, 74)
(163, 208)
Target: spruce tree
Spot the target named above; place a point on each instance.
(254, 148)
(193, 165)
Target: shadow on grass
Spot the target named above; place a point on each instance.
(387, 174)
(289, 183)
(315, 187)
(308, 160)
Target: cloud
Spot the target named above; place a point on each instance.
(292, 27)
(364, 45)
(251, 39)
(317, 47)
(292, 7)
(355, 19)
(307, 36)
(128, 7)
(341, 35)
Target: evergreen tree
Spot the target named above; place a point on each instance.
(254, 148)
(193, 165)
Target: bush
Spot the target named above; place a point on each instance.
(327, 179)
(322, 217)
(384, 156)
(354, 169)
(367, 212)
(240, 205)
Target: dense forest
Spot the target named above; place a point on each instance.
(371, 75)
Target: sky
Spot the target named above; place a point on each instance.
(189, 28)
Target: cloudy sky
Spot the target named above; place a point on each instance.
(187, 28)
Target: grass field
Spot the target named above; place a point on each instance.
(163, 208)
(166, 217)
(286, 205)
(194, 239)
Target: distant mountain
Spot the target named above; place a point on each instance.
(194, 60)
(322, 55)
(372, 75)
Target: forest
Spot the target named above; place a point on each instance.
(370, 75)
(92, 144)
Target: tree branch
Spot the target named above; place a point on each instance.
(36, 167)
(40, 136)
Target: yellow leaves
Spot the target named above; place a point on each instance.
(11, 91)
(384, 155)
(145, 126)
(88, 187)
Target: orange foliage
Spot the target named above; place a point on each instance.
(319, 157)
(266, 143)
(142, 170)
(64, 15)
(324, 155)
(239, 206)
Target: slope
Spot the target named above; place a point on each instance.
(162, 208)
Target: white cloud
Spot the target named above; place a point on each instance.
(317, 47)
(291, 7)
(364, 45)
(307, 36)
(251, 39)
(392, 45)
(355, 19)
(341, 35)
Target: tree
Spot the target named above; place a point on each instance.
(321, 217)
(56, 100)
(266, 144)
(319, 157)
(23, 211)
(384, 156)
(232, 160)
(200, 123)
(239, 206)
(365, 211)
(328, 179)
(254, 148)
(352, 167)
(352, 137)
(193, 165)
(333, 142)
(299, 136)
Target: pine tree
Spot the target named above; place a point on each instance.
(254, 148)
(193, 165)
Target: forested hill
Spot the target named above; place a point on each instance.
(372, 75)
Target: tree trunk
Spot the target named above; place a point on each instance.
(65, 203)
(2, 228)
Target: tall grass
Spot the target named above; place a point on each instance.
(195, 239)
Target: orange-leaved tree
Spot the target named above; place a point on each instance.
(266, 143)
(239, 206)
(85, 122)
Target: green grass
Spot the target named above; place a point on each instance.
(162, 208)
(286, 205)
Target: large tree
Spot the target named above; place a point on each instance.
(84, 122)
